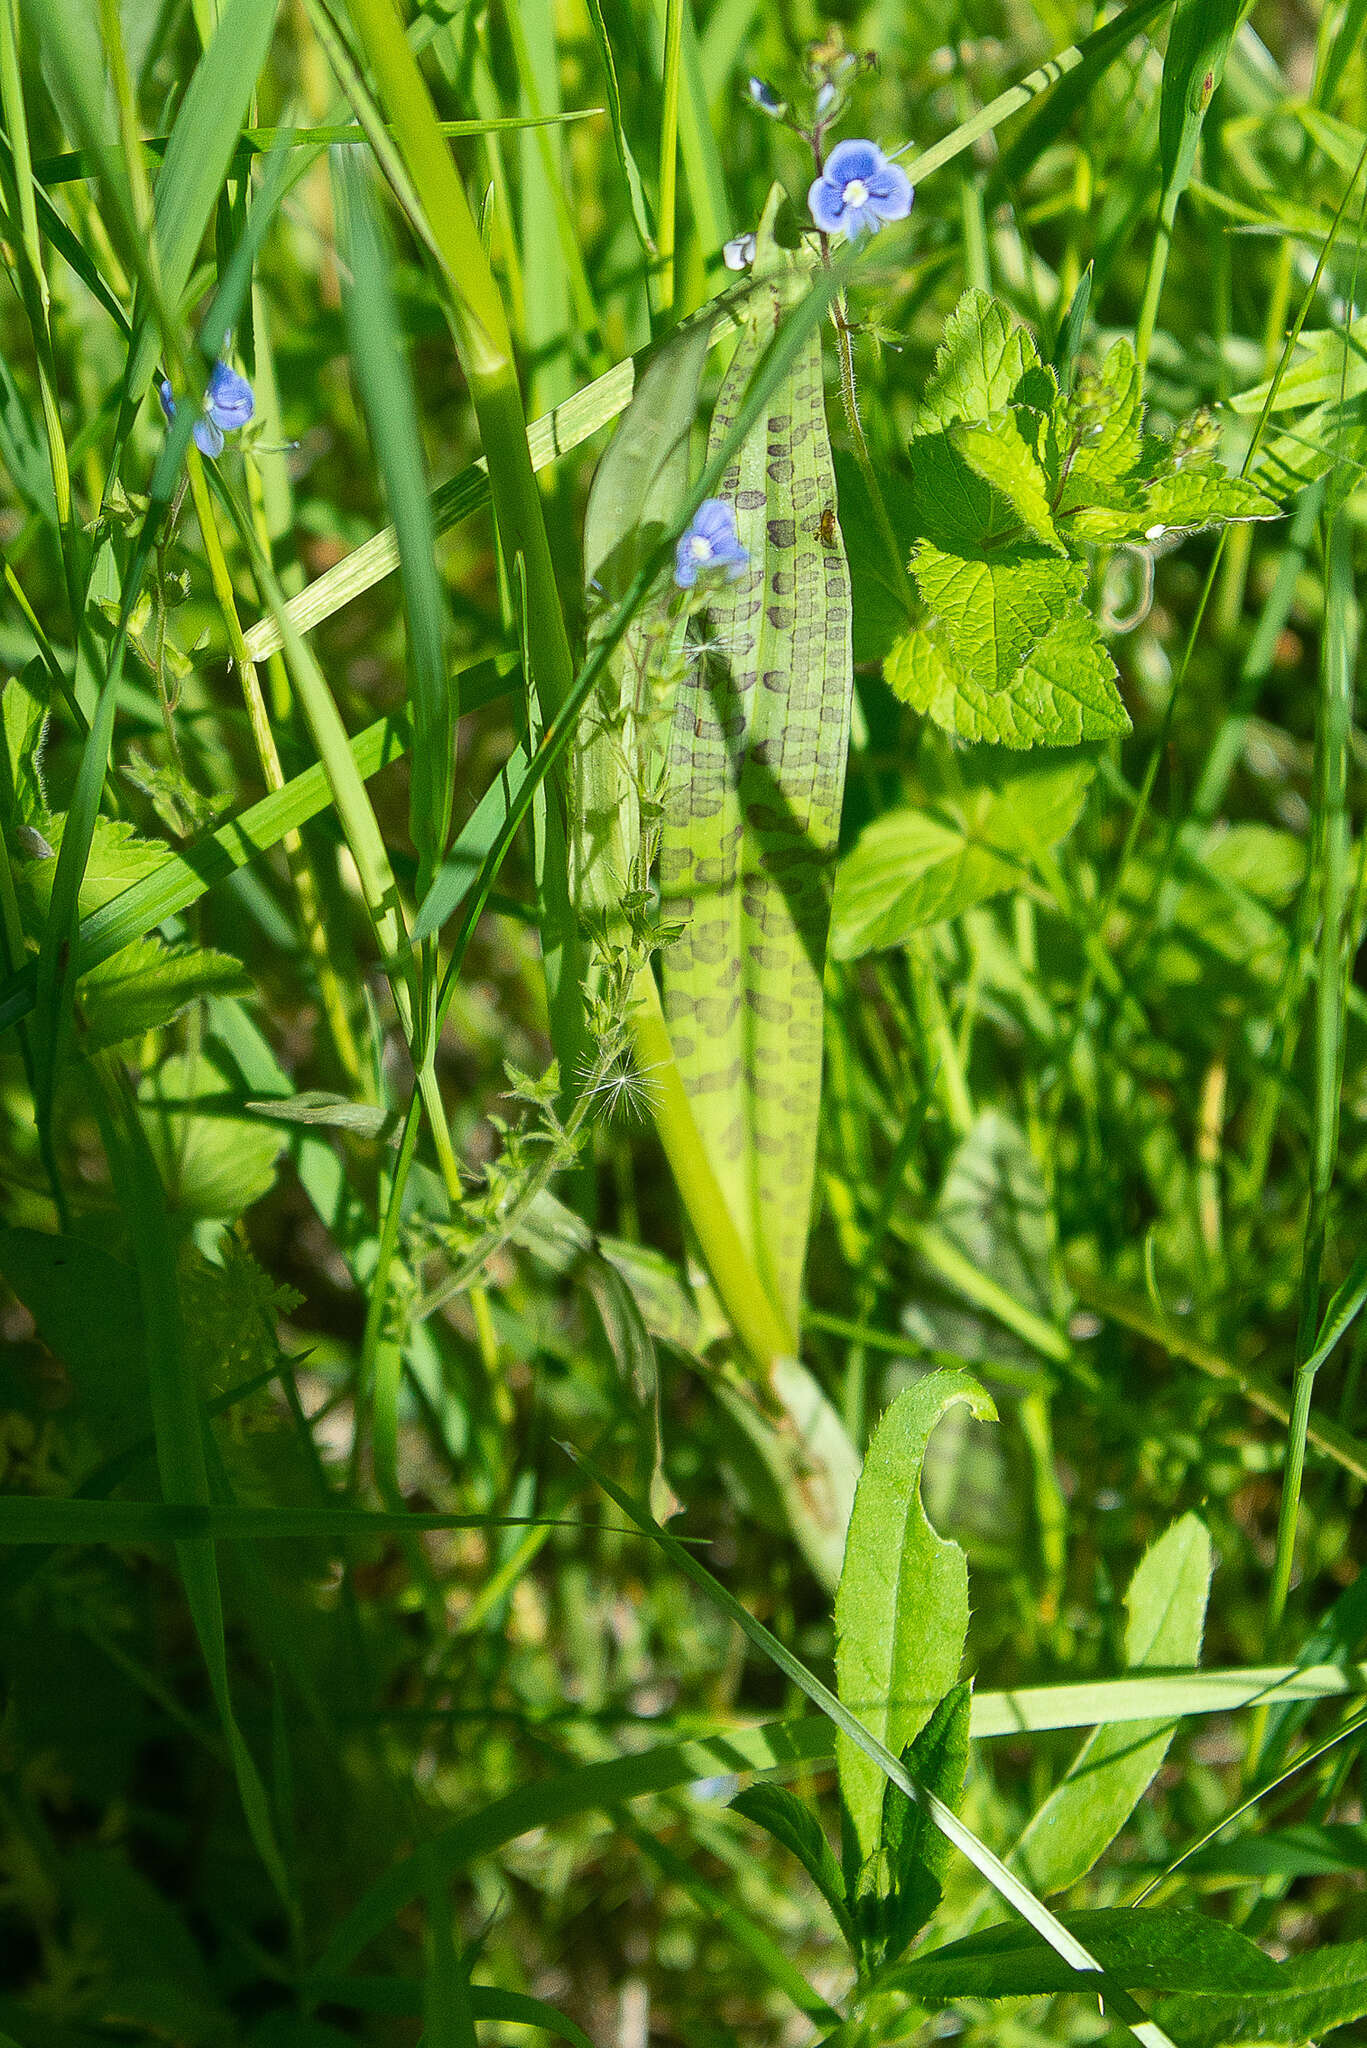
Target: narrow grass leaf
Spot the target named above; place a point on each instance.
(382, 368)
(1166, 1605)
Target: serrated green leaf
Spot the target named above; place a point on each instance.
(784, 1816)
(1204, 495)
(991, 612)
(912, 868)
(118, 858)
(1002, 451)
(1324, 1988)
(147, 984)
(901, 1610)
(1151, 1951)
(1064, 690)
(1107, 437)
(23, 724)
(914, 1856)
(985, 361)
(1166, 1605)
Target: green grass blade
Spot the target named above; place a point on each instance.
(199, 152)
(377, 349)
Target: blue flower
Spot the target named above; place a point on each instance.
(858, 190)
(764, 96)
(710, 542)
(228, 405)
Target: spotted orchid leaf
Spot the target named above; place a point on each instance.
(753, 796)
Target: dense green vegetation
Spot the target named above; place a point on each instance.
(682, 1094)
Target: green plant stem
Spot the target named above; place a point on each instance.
(1333, 838)
(669, 164)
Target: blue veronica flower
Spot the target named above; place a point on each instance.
(228, 405)
(859, 190)
(710, 542)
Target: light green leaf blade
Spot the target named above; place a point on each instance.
(784, 1816)
(1205, 496)
(1198, 44)
(992, 612)
(913, 868)
(1002, 451)
(1063, 692)
(756, 779)
(637, 490)
(1324, 1988)
(1165, 1951)
(1166, 1604)
(145, 985)
(901, 1610)
(214, 1160)
(984, 362)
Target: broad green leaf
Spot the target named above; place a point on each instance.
(1166, 1606)
(993, 612)
(912, 868)
(146, 985)
(118, 858)
(215, 1161)
(1098, 424)
(753, 800)
(1163, 1951)
(87, 1309)
(985, 361)
(790, 1821)
(1002, 451)
(23, 724)
(1205, 495)
(914, 1858)
(901, 1610)
(1063, 692)
(1324, 1988)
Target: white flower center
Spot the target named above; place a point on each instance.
(856, 192)
(700, 548)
